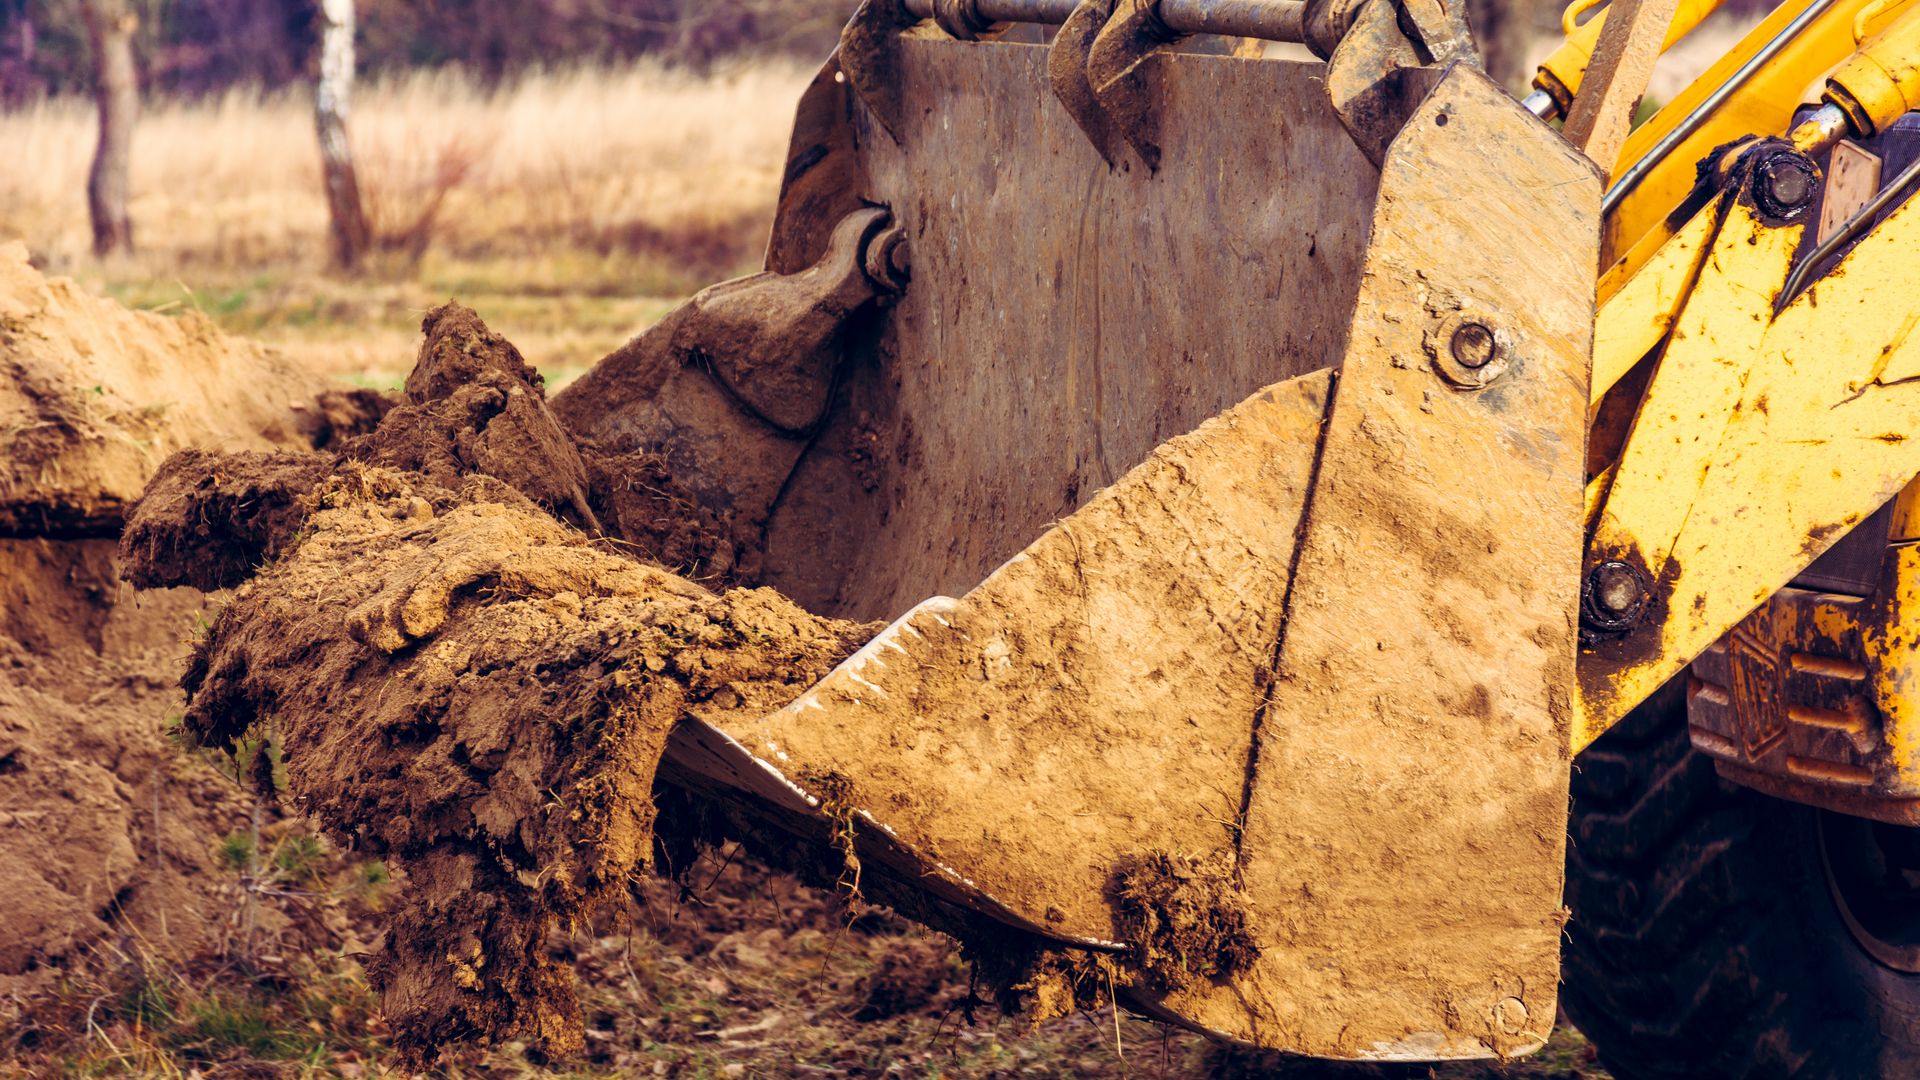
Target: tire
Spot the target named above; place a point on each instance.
(1706, 939)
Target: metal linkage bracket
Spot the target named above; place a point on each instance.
(1369, 75)
(870, 58)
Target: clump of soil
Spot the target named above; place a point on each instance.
(474, 406)
(638, 500)
(340, 415)
(209, 519)
(1185, 917)
(479, 694)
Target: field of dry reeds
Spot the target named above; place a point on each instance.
(571, 206)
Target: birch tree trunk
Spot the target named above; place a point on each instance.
(332, 91)
(110, 27)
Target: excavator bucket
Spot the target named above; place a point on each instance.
(1221, 490)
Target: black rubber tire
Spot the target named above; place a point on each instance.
(1704, 940)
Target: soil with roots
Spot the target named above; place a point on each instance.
(464, 672)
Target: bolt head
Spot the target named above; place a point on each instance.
(1784, 185)
(1511, 1014)
(1615, 587)
(1473, 345)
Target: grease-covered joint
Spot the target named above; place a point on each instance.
(1614, 599)
(886, 262)
(1326, 22)
(1771, 173)
(1783, 184)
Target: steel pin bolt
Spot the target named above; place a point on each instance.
(1616, 596)
(1784, 185)
(1472, 345)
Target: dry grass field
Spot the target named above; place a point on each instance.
(572, 207)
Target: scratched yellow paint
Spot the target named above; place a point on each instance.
(1637, 309)
(1762, 438)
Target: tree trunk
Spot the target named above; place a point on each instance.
(110, 26)
(1504, 31)
(332, 91)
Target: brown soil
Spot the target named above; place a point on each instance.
(459, 681)
(106, 828)
(343, 414)
(210, 519)
(1185, 918)
(93, 397)
(474, 406)
(480, 696)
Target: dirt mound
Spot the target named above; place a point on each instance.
(108, 831)
(105, 830)
(93, 397)
(478, 694)
(209, 519)
(474, 406)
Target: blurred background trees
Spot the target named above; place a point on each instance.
(192, 47)
(110, 28)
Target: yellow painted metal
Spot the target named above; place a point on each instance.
(1891, 635)
(1570, 15)
(1561, 73)
(1882, 80)
(1637, 310)
(1763, 437)
(1765, 104)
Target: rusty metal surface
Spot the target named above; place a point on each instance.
(869, 57)
(1376, 77)
(730, 387)
(1788, 702)
(1116, 70)
(1068, 72)
(1064, 317)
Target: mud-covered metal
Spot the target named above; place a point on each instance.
(1101, 419)
(1376, 77)
(1064, 317)
(1813, 697)
(1771, 426)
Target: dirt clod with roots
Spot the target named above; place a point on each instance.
(1184, 917)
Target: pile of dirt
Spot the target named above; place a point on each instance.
(464, 670)
(478, 695)
(93, 397)
(107, 829)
